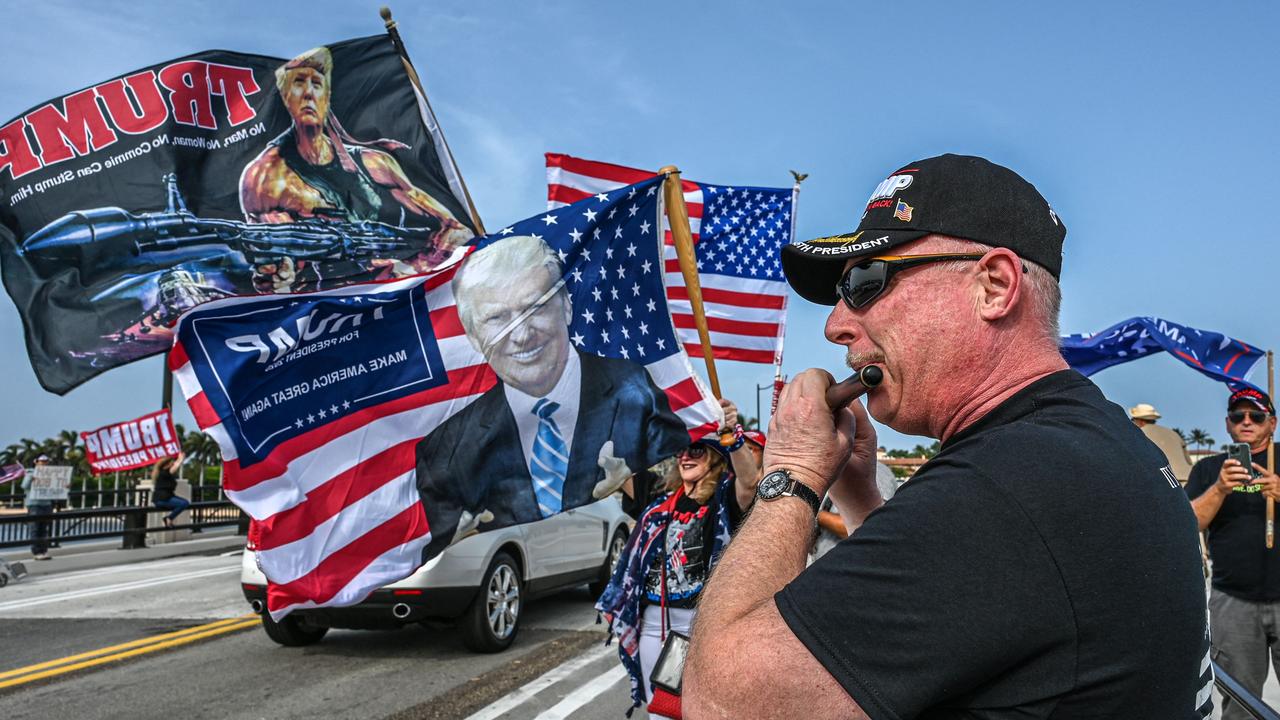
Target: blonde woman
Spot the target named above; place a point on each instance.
(659, 577)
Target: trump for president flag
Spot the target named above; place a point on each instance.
(1213, 354)
(327, 405)
(738, 234)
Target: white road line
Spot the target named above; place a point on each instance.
(584, 694)
(119, 587)
(542, 682)
(115, 569)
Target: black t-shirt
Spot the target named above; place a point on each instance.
(1041, 565)
(166, 483)
(1243, 567)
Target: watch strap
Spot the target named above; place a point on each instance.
(806, 493)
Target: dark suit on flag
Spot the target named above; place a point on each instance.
(474, 461)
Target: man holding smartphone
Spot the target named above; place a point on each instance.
(1229, 500)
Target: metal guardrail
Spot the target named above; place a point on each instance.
(126, 522)
(112, 498)
(1230, 687)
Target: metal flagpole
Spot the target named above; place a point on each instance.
(394, 32)
(166, 394)
(678, 218)
(1271, 451)
(782, 326)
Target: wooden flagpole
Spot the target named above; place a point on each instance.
(1271, 451)
(394, 32)
(678, 218)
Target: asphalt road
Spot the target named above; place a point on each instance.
(171, 637)
(166, 643)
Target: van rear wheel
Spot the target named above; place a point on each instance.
(491, 623)
(292, 631)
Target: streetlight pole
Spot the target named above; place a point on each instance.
(759, 417)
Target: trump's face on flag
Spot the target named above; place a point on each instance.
(515, 311)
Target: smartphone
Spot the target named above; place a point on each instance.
(1241, 454)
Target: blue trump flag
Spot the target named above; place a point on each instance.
(1213, 354)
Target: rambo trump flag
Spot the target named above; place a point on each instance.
(209, 176)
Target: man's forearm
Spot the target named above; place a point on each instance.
(768, 552)
(746, 474)
(1207, 506)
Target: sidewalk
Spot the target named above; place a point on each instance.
(105, 553)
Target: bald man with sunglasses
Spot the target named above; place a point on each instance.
(1230, 503)
(1043, 564)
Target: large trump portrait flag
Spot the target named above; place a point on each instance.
(367, 428)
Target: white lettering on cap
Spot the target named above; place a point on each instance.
(843, 249)
(891, 185)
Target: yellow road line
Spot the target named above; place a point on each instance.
(121, 646)
(122, 651)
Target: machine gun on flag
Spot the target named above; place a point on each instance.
(120, 240)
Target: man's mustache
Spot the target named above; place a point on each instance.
(857, 360)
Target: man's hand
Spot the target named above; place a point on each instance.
(1231, 476)
(615, 469)
(1269, 481)
(730, 413)
(277, 277)
(805, 437)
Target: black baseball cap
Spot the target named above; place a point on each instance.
(961, 196)
(1256, 398)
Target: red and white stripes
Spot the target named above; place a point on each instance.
(745, 318)
(336, 511)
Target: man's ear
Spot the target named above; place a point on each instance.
(1000, 283)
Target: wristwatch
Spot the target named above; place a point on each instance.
(779, 483)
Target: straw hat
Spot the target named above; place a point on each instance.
(1143, 411)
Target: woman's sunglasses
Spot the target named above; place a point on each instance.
(694, 452)
(863, 283)
(1237, 416)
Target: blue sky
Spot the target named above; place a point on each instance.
(1150, 127)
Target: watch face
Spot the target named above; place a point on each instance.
(773, 484)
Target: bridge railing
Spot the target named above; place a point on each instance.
(129, 523)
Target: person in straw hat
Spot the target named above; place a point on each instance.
(1169, 441)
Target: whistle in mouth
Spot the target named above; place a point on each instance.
(845, 391)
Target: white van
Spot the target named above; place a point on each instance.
(481, 582)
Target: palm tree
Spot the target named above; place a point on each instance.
(927, 452)
(1180, 434)
(30, 451)
(1199, 438)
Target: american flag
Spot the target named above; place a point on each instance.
(318, 400)
(11, 472)
(903, 211)
(738, 233)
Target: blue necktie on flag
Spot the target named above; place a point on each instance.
(550, 461)
(738, 234)
(319, 400)
(1213, 354)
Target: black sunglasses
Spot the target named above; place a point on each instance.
(1237, 416)
(867, 281)
(694, 452)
